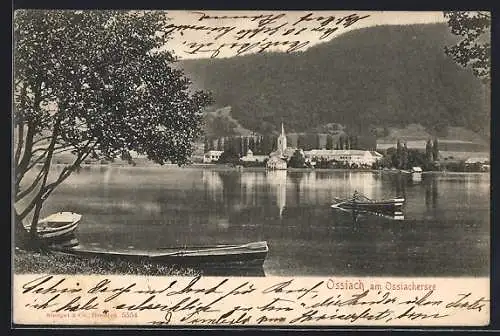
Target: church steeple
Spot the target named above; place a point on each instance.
(282, 141)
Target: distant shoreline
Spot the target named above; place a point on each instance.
(224, 167)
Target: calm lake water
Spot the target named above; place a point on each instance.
(445, 230)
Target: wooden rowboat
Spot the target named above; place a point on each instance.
(58, 226)
(244, 256)
(364, 203)
(396, 215)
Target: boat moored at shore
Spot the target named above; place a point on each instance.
(58, 227)
(244, 256)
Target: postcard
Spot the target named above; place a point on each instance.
(251, 168)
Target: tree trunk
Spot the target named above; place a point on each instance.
(34, 221)
(22, 237)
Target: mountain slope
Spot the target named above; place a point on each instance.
(377, 76)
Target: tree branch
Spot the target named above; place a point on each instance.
(23, 164)
(18, 82)
(20, 125)
(39, 159)
(59, 150)
(21, 168)
(39, 149)
(32, 187)
(66, 172)
(63, 149)
(41, 139)
(29, 207)
(20, 142)
(36, 201)
(46, 190)
(34, 162)
(45, 149)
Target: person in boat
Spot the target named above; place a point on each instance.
(356, 195)
(359, 197)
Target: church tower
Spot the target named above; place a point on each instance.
(282, 141)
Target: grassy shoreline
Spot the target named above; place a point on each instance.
(48, 262)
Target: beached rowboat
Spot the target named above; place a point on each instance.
(58, 226)
(244, 256)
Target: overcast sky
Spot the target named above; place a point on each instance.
(281, 30)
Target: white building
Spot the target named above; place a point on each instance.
(212, 156)
(250, 157)
(276, 163)
(477, 159)
(350, 156)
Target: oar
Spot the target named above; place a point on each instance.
(187, 252)
(342, 209)
(212, 248)
(338, 204)
(347, 200)
(146, 254)
(193, 246)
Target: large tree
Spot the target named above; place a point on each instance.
(474, 49)
(329, 142)
(435, 150)
(399, 155)
(297, 160)
(428, 151)
(94, 84)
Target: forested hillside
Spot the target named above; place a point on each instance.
(385, 76)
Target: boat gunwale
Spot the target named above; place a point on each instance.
(44, 234)
(236, 250)
(392, 202)
(75, 220)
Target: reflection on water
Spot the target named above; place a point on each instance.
(416, 178)
(431, 194)
(277, 179)
(445, 230)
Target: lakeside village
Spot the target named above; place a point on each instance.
(349, 152)
(324, 151)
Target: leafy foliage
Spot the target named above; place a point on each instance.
(405, 159)
(229, 155)
(219, 123)
(95, 83)
(329, 142)
(297, 160)
(429, 150)
(474, 50)
(435, 150)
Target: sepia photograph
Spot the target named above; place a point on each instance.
(340, 146)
